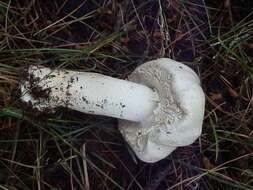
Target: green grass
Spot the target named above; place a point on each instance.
(34, 149)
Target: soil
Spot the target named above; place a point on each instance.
(38, 93)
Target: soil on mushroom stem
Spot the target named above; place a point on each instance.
(37, 92)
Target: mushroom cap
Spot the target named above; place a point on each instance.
(178, 117)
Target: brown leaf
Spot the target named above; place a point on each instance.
(207, 164)
(125, 39)
(157, 34)
(216, 96)
(226, 3)
(232, 92)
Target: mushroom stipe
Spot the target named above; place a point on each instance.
(160, 107)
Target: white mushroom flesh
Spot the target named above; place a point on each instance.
(160, 108)
(177, 120)
(88, 92)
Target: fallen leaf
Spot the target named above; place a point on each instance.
(207, 164)
(226, 3)
(125, 39)
(216, 96)
(232, 92)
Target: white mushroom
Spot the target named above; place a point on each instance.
(160, 108)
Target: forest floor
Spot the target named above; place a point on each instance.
(72, 150)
